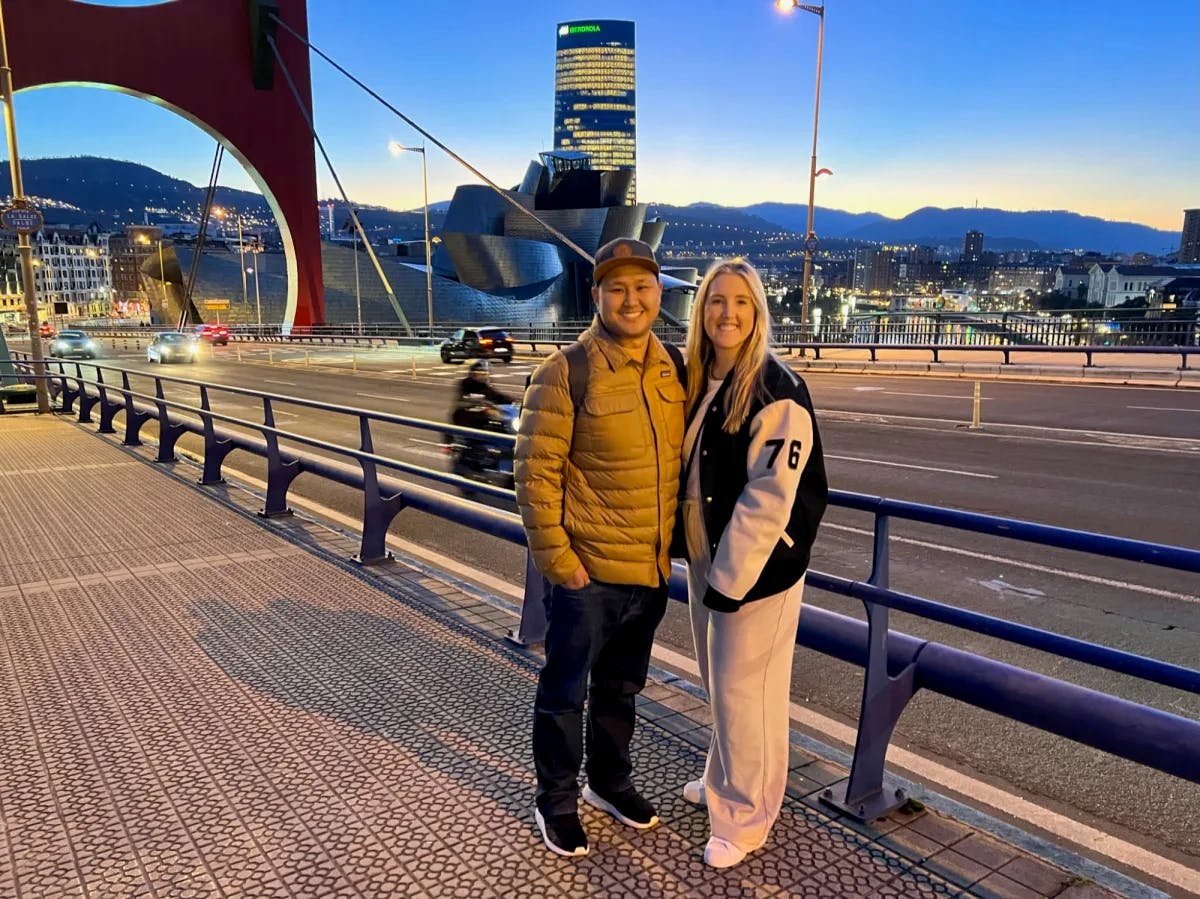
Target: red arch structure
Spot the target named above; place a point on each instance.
(196, 57)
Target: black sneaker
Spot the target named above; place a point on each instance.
(628, 807)
(562, 834)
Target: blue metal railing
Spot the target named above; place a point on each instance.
(897, 665)
(558, 334)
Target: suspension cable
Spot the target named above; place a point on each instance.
(186, 304)
(338, 181)
(470, 168)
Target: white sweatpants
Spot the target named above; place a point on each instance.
(745, 660)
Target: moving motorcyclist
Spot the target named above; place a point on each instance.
(469, 411)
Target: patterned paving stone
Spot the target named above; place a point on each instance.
(193, 706)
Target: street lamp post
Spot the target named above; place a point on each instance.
(237, 215)
(396, 149)
(357, 286)
(257, 295)
(810, 237)
(24, 247)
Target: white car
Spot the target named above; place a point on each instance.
(171, 346)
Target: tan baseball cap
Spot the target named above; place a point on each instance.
(623, 251)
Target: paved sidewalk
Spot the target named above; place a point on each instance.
(194, 702)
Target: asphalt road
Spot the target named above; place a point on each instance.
(1116, 460)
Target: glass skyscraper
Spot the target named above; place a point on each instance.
(594, 108)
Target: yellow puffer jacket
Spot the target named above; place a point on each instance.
(607, 499)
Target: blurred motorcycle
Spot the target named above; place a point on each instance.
(479, 460)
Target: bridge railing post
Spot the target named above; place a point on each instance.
(868, 792)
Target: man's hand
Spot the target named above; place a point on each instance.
(578, 580)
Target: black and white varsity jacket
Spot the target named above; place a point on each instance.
(762, 491)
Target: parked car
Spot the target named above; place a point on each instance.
(46, 329)
(218, 335)
(171, 346)
(477, 343)
(73, 343)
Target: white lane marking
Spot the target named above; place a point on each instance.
(379, 396)
(944, 396)
(1031, 566)
(1165, 409)
(980, 793)
(965, 474)
(863, 388)
(284, 383)
(1182, 445)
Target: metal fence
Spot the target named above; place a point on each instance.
(897, 665)
(540, 337)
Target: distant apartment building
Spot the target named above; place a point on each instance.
(1189, 244)
(873, 270)
(1020, 279)
(71, 266)
(595, 110)
(1072, 281)
(916, 270)
(972, 250)
(1112, 284)
(129, 251)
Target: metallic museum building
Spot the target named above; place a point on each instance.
(493, 264)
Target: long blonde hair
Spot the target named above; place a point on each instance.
(747, 373)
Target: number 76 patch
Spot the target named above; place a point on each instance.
(793, 459)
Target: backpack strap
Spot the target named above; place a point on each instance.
(577, 369)
(577, 372)
(677, 358)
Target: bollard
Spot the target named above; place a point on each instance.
(239, 352)
(306, 358)
(975, 426)
(354, 362)
(270, 356)
(414, 367)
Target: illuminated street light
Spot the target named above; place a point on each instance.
(810, 238)
(257, 295)
(221, 213)
(396, 148)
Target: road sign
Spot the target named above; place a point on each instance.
(22, 219)
(216, 304)
(811, 243)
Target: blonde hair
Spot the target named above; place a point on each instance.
(746, 382)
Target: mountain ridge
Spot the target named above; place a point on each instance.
(114, 193)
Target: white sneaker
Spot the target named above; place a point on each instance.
(693, 792)
(720, 853)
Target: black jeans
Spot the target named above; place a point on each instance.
(605, 631)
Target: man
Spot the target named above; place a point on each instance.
(471, 389)
(597, 483)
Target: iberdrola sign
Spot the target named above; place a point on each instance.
(564, 30)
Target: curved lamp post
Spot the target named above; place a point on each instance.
(810, 238)
(395, 148)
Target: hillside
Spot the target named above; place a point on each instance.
(113, 193)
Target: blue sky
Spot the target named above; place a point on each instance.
(1031, 104)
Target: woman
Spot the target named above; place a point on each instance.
(754, 491)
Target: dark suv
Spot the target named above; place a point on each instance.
(477, 343)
